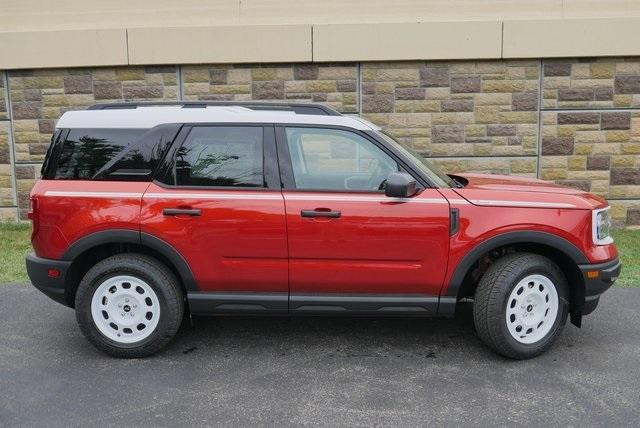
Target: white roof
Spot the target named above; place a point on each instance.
(145, 117)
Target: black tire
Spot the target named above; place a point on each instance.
(162, 282)
(491, 300)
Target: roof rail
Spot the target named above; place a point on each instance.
(298, 108)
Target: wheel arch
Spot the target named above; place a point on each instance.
(87, 251)
(564, 253)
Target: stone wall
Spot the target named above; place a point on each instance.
(574, 121)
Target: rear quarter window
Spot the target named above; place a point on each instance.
(108, 154)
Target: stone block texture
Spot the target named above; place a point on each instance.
(7, 193)
(598, 151)
(591, 83)
(4, 110)
(522, 166)
(456, 109)
(332, 84)
(40, 97)
(572, 121)
(26, 176)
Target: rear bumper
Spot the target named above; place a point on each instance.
(38, 271)
(596, 284)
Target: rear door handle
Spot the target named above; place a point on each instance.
(181, 211)
(320, 213)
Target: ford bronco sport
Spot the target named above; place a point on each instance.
(146, 212)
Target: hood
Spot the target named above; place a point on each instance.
(515, 184)
(502, 190)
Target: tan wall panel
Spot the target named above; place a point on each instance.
(43, 49)
(600, 8)
(40, 15)
(372, 11)
(224, 44)
(20, 15)
(406, 41)
(571, 37)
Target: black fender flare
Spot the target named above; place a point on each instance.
(118, 236)
(517, 237)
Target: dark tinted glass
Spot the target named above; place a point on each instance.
(221, 156)
(86, 151)
(109, 154)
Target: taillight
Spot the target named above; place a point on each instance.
(33, 215)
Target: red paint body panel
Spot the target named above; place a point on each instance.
(239, 243)
(480, 223)
(488, 189)
(253, 240)
(378, 245)
(70, 210)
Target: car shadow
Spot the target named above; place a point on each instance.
(347, 336)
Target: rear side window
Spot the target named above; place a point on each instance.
(108, 154)
(227, 156)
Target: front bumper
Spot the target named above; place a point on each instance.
(53, 286)
(597, 279)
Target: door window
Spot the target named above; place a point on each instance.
(333, 159)
(228, 156)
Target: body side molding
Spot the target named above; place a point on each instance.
(517, 237)
(279, 303)
(216, 303)
(363, 304)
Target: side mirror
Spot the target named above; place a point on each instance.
(400, 185)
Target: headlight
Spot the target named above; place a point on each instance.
(601, 226)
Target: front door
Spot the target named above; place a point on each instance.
(350, 246)
(218, 202)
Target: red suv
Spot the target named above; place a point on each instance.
(146, 212)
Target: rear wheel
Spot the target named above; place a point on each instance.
(521, 305)
(129, 305)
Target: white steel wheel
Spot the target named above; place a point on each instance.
(125, 309)
(532, 309)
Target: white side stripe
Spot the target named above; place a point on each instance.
(94, 194)
(459, 201)
(239, 196)
(364, 199)
(521, 203)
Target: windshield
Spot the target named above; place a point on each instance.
(436, 175)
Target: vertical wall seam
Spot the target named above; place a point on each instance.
(12, 145)
(126, 43)
(502, 39)
(540, 94)
(359, 89)
(179, 80)
(312, 30)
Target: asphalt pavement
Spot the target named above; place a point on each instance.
(239, 371)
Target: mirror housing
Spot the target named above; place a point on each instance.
(400, 185)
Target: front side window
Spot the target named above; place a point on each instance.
(333, 159)
(227, 156)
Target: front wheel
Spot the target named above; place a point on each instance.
(521, 305)
(129, 305)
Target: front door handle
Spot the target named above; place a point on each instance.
(320, 212)
(181, 211)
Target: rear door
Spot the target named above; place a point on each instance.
(217, 201)
(350, 246)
